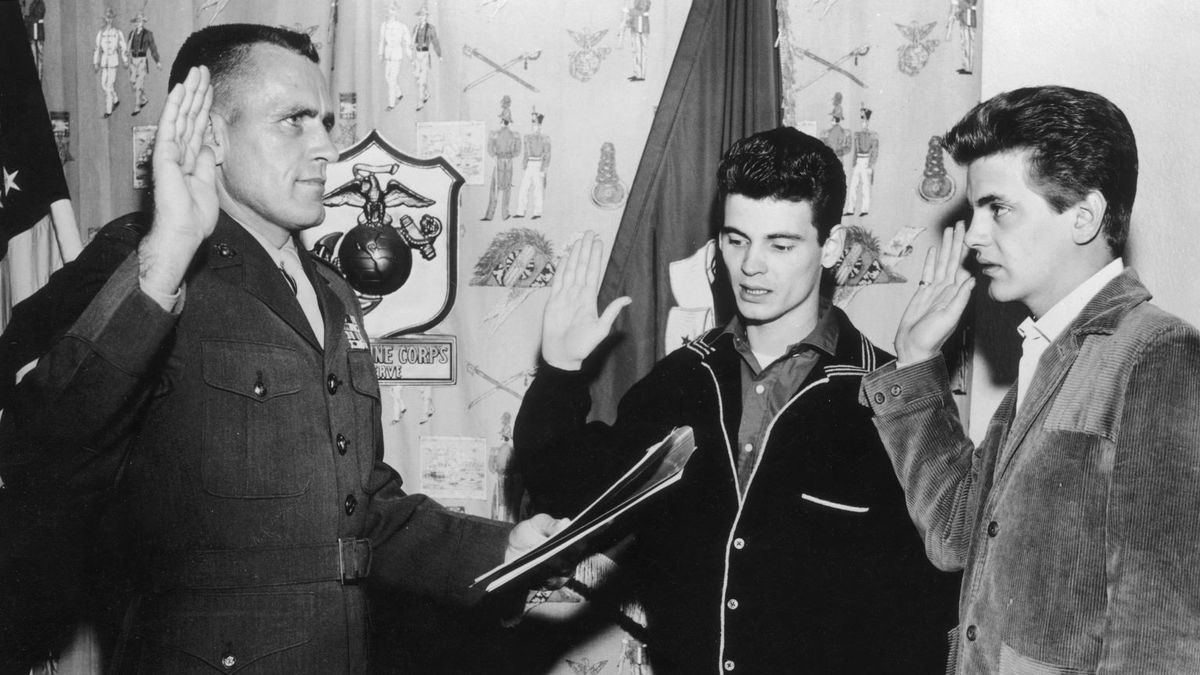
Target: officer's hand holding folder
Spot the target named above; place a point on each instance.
(660, 467)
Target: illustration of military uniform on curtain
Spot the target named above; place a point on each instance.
(537, 162)
(141, 47)
(837, 137)
(637, 25)
(504, 144)
(395, 44)
(424, 40)
(111, 50)
(35, 28)
(964, 16)
(866, 151)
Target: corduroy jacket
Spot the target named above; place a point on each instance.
(1076, 519)
(817, 570)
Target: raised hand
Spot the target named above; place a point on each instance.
(936, 307)
(185, 190)
(571, 327)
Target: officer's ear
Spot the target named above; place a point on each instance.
(216, 135)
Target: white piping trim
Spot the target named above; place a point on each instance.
(728, 541)
(835, 505)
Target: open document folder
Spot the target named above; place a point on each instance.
(660, 467)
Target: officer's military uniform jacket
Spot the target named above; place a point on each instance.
(816, 569)
(252, 470)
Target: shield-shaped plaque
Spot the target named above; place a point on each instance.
(391, 230)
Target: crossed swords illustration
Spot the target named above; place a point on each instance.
(836, 66)
(498, 68)
(497, 384)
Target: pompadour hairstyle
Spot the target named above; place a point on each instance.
(1077, 141)
(786, 164)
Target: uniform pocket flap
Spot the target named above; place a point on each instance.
(229, 632)
(850, 508)
(257, 371)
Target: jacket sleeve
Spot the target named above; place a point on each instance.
(1152, 561)
(934, 459)
(91, 382)
(565, 461)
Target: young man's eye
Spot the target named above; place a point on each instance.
(782, 247)
(999, 210)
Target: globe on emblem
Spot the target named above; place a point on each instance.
(375, 260)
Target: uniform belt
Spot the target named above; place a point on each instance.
(422, 50)
(348, 561)
(137, 55)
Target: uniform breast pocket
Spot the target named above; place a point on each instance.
(367, 411)
(253, 421)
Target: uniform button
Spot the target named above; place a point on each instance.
(749, 447)
(993, 528)
(729, 665)
(759, 389)
(732, 604)
(225, 250)
(879, 397)
(331, 383)
(972, 633)
(351, 504)
(896, 390)
(342, 444)
(260, 389)
(739, 543)
(229, 660)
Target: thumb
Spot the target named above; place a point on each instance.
(614, 308)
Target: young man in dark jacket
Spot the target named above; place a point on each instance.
(786, 547)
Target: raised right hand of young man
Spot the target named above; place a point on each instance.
(571, 328)
(185, 190)
(936, 307)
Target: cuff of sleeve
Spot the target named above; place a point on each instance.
(888, 389)
(124, 325)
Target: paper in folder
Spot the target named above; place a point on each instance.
(659, 468)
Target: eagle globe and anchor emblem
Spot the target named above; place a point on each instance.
(390, 230)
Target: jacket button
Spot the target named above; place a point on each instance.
(331, 383)
(739, 543)
(759, 389)
(342, 444)
(896, 390)
(225, 250)
(229, 660)
(879, 397)
(972, 633)
(729, 665)
(351, 504)
(260, 389)
(993, 528)
(732, 603)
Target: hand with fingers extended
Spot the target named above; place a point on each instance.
(185, 190)
(936, 307)
(571, 327)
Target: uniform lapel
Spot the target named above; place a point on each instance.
(332, 308)
(260, 277)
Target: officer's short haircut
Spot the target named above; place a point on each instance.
(786, 164)
(1077, 141)
(225, 49)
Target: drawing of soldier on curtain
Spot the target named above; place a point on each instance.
(111, 50)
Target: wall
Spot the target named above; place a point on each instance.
(1143, 57)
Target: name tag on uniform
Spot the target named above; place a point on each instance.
(354, 334)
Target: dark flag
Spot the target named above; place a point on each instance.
(723, 85)
(31, 176)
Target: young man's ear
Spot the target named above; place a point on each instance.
(831, 250)
(1089, 217)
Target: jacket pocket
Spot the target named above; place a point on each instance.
(368, 412)
(227, 633)
(253, 421)
(1013, 662)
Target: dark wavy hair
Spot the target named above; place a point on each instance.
(786, 164)
(225, 48)
(1077, 141)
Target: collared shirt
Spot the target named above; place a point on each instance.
(766, 389)
(1038, 334)
(287, 259)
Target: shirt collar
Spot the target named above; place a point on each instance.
(824, 335)
(277, 253)
(1055, 321)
